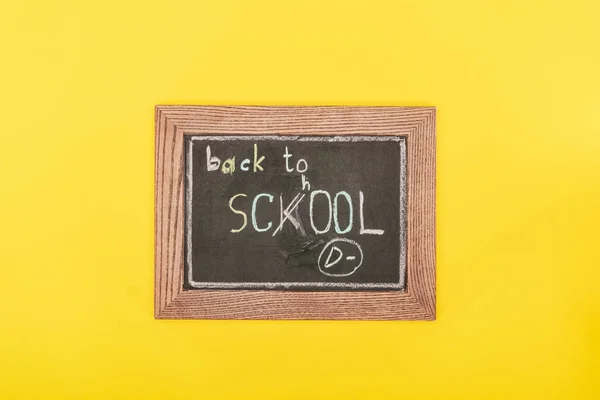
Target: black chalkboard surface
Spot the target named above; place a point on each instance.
(295, 213)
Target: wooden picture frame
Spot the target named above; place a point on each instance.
(418, 302)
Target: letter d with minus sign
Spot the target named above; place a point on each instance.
(333, 256)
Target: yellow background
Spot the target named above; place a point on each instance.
(517, 88)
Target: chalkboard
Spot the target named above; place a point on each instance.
(268, 212)
(319, 213)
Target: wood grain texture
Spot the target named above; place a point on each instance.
(174, 122)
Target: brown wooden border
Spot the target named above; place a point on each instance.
(173, 122)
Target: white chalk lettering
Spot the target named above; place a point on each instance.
(212, 163)
(328, 262)
(352, 247)
(302, 160)
(335, 213)
(305, 183)
(286, 214)
(286, 156)
(364, 231)
(299, 168)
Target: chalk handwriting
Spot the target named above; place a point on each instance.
(364, 231)
(228, 167)
(254, 224)
(287, 155)
(286, 214)
(243, 214)
(311, 215)
(352, 248)
(290, 212)
(335, 213)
